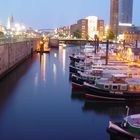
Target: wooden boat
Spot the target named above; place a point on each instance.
(129, 127)
(118, 88)
(87, 76)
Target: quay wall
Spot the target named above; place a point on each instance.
(14, 53)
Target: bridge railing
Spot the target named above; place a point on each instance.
(14, 40)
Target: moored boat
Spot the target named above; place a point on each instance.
(77, 58)
(118, 88)
(129, 127)
(89, 48)
(88, 76)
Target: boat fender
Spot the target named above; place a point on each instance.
(124, 124)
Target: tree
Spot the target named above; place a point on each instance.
(61, 35)
(77, 34)
(1, 34)
(110, 35)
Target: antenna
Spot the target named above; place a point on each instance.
(125, 123)
(127, 110)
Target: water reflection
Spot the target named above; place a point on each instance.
(8, 84)
(36, 79)
(77, 95)
(62, 52)
(112, 110)
(118, 137)
(55, 55)
(43, 66)
(64, 60)
(54, 72)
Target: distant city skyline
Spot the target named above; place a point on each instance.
(52, 14)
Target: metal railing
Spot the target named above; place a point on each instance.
(14, 40)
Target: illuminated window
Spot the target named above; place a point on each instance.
(106, 86)
(114, 87)
(123, 87)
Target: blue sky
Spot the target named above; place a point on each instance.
(56, 13)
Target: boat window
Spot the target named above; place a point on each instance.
(115, 87)
(106, 87)
(134, 87)
(123, 87)
(130, 76)
(84, 78)
(91, 78)
(130, 87)
(137, 87)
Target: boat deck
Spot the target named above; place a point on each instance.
(134, 121)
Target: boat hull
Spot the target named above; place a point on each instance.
(117, 129)
(74, 70)
(93, 93)
(78, 82)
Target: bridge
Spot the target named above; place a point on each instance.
(46, 30)
(82, 41)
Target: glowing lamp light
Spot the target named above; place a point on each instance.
(17, 25)
(129, 51)
(125, 24)
(41, 42)
(23, 27)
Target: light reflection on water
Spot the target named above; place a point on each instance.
(54, 72)
(62, 58)
(43, 66)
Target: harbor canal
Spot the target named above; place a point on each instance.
(38, 103)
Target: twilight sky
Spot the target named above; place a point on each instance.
(55, 13)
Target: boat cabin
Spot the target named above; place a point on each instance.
(97, 72)
(117, 83)
(119, 78)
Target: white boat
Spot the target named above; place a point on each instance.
(89, 48)
(130, 127)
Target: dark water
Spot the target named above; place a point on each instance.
(37, 103)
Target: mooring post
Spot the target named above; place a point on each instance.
(136, 43)
(107, 47)
(124, 44)
(97, 44)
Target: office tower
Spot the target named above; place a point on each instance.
(120, 14)
(125, 12)
(92, 26)
(100, 28)
(114, 16)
